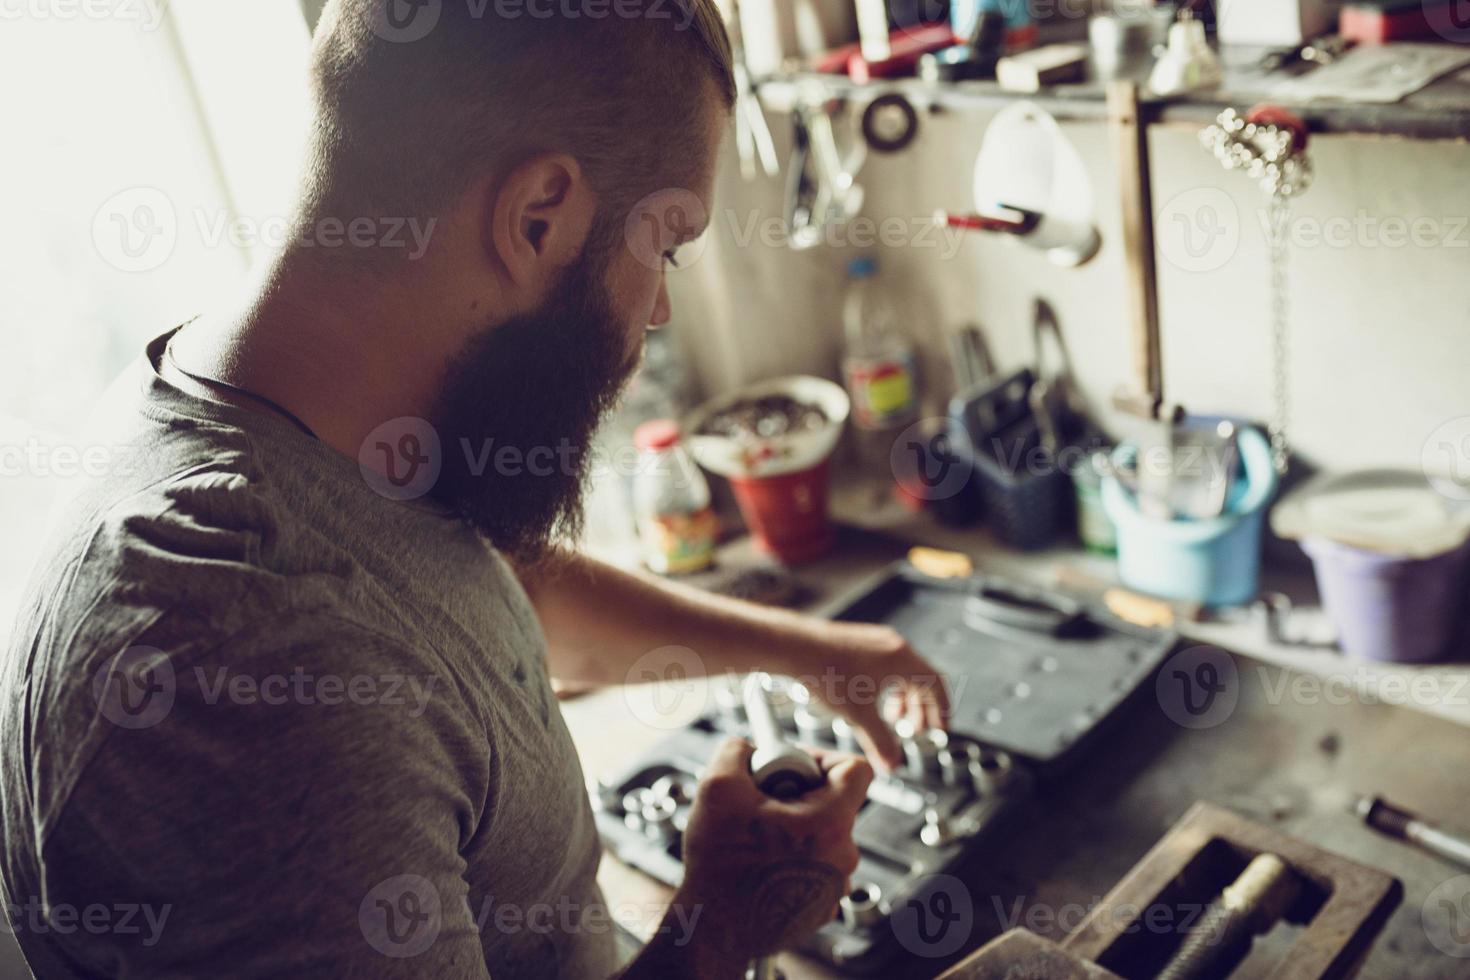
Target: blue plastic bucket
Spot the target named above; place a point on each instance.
(1387, 607)
(1215, 561)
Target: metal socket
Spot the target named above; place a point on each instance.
(843, 735)
(936, 831)
(779, 696)
(730, 701)
(991, 772)
(658, 818)
(955, 760)
(862, 908)
(633, 801)
(814, 724)
(921, 749)
(674, 786)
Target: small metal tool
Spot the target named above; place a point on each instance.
(780, 770)
(862, 908)
(821, 191)
(1388, 819)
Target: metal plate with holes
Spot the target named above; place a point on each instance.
(1033, 676)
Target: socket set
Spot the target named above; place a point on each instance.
(1034, 677)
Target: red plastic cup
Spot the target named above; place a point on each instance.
(787, 514)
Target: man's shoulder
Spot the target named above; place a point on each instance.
(151, 575)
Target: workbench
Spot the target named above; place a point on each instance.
(1291, 755)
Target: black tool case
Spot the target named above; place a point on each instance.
(1035, 678)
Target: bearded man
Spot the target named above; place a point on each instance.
(282, 685)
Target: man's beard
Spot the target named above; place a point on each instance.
(518, 410)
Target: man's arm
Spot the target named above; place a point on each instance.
(262, 832)
(760, 874)
(601, 622)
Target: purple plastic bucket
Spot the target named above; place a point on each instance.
(1387, 607)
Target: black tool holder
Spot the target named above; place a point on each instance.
(1034, 679)
(1017, 434)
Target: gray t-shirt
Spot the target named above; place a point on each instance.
(260, 721)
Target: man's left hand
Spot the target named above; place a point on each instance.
(871, 677)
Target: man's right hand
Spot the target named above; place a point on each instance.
(763, 873)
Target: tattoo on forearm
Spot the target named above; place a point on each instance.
(784, 896)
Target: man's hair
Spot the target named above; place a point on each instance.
(417, 98)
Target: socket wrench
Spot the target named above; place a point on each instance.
(779, 769)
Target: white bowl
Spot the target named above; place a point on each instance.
(778, 455)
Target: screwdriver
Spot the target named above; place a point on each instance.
(1388, 819)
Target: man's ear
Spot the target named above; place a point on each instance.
(539, 219)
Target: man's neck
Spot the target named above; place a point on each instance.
(331, 351)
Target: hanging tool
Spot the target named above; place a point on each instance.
(890, 123)
(752, 135)
(780, 770)
(1270, 145)
(1388, 819)
(821, 187)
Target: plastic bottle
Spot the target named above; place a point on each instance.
(879, 367)
(671, 503)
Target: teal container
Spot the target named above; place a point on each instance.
(1215, 561)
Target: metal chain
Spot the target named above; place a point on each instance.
(1269, 156)
(1280, 221)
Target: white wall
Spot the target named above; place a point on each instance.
(1381, 325)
